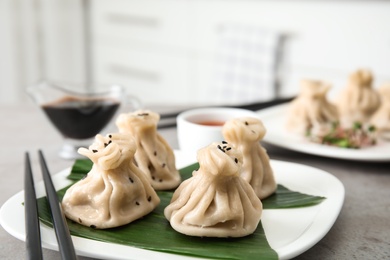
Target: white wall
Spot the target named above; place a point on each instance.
(326, 39)
(18, 61)
(39, 39)
(63, 40)
(173, 42)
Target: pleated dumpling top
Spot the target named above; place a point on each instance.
(358, 101)
(154, 156)
(215, 201)
(311, 110)
(381, 118)
(115, 192)
(245, 135)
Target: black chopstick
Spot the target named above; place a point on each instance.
(33, 233)
(65, 243)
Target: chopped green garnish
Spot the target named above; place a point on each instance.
(344, 143)
(308, 132)
(335, 125)
(354, 137)
(357, 125)
(371, 128)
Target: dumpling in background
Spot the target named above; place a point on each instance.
(381, 118)
(358, 101)
(154, 156)
(215, 201)
(245, 135)
(115, 192)
(311, 111)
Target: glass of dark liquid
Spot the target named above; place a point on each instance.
(79, 115)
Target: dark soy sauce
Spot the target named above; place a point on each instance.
(80, 118)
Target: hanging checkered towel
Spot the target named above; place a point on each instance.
(246, 64)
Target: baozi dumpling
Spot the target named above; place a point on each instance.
(154, 156)
(115, 192)
(358, 101)
(245, 135)
(215, 201)
(381, 118)
(311, 111)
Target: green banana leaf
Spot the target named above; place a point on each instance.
(153, 232)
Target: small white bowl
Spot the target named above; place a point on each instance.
(197, 128)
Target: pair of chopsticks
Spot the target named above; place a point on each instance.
(33, 235)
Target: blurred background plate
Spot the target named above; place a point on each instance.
(274, 120)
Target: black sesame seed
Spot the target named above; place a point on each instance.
(131, 180)
(155, 153)
(236, 160)
(160, 180)
(137, 203)
(149, 198)
(153, 178)
(80, 220)
(220, 148)
(228, 149)
(143, 114)
(92, 226)
(95, 151)
(224, 142)
(110, 136)
(246, 123)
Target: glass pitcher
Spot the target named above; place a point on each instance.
(79, 116)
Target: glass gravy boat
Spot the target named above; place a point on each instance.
(79, 116)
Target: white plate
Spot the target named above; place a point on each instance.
(290, 232)
(274, 119)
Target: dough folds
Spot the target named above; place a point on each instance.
(154, 156)
(245, 135)
(358, 101)
(215, 201)
(115, 192)
(311, 111)
(381, 118)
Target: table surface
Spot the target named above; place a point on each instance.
(362, 230)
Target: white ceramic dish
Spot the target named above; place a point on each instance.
(289, 231)
(193, 135)
(274, 119)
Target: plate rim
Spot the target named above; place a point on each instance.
(332, 206)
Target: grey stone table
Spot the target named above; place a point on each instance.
(362, 230)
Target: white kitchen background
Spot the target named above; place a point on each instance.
(175, 51)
